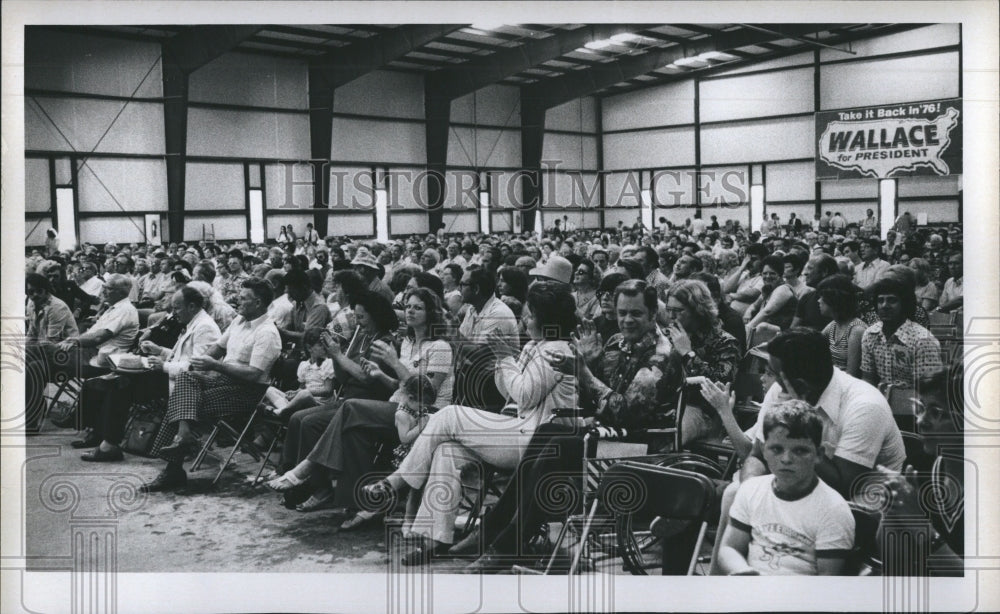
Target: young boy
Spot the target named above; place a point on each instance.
(788, 522)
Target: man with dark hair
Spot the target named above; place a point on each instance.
(858, 424)
(896, 350)
(215, 388)
(105, 400)
(229, 288)
(49, 318)
(308, 311)
(484, 315)
(629, 378)
(807, 313)
(650, 261)
(872, 266)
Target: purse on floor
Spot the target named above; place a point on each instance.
(143, 424)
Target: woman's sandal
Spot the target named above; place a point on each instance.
(315, 503)
(378, 491)
(285, 482)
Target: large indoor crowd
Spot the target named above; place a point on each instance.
(393, 366)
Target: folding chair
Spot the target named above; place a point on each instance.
(663, 436)
(632, 491)
(70, 388)
(865, 556)
(900, 400)
(228, 425)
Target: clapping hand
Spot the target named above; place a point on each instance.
(499, 345)
(588, 342)
(331, 345)
(371, 370)
(562, 362)
(383, 352)
(719, 397)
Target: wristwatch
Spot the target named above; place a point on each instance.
(690, 354)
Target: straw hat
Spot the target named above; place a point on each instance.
(365, 258)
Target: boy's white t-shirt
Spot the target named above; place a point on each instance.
(786, 537)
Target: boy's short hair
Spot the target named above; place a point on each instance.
(420, 387)
(800, 419)
(312, 336)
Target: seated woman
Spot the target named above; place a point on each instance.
(512, 288)
(705, 350)
(456, 435)
(838, 300)
(345, 446)
(606, 322)
(345, 288)
(585, 281)
(928, 293)
(376, 323)
(778, 300)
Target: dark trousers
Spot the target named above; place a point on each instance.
(45, 364)
(106, 400)
(546, 486)
(347, 446)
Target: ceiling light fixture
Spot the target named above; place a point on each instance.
(486, 27)
(601, 44)
(718, 56)
(691, 62)
(625, 37)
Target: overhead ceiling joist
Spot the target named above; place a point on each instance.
(559, 90)
(470, 76)
(198, 45)
(347, 63)
(750, 59)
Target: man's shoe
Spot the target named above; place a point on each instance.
(180, 445)
(90, 440)
(98, 455)
(469, 547)
(167, 480)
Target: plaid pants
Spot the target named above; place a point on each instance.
(200, 395)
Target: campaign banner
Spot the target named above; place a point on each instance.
(880, 142)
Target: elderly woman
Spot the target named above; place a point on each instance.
(456, 435)
(586, 278)
(927, 292)
(345, 447)
(705, 350)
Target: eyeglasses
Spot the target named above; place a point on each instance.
(675, 310)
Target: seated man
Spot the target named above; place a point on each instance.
(789, 522)
(106, 400)
(635, 376)
(896, 350)
(309, 311)
(951, 296)
(115, 330)
(859, 432)
(217, 388)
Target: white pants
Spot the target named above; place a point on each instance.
(454, 437)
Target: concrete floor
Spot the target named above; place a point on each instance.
(231, 527)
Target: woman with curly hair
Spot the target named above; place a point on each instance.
(456, 435)
(704, 349)
(927, 291)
